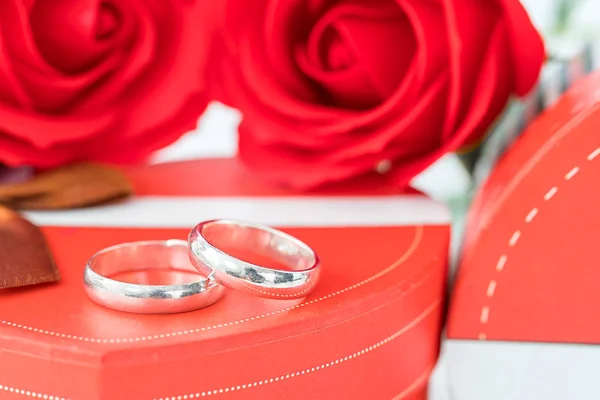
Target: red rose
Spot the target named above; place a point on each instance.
(97, 80)
(334, 89)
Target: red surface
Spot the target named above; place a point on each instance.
(529, 271)
(370, 330)
(228, 177)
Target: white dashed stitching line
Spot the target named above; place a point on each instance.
(28, 393)
(571, 173)
(413, 246)
(485, 313)
(501, 262)
(485, 310)
(550, 194)
(316, 368)
(593, 154)
(297, 295)
(531, 215)
(514, 238)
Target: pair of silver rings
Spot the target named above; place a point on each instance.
(248, 257)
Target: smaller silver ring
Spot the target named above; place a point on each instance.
(216, 246)
(170, 255)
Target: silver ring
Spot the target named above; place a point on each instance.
(170, 255)
(229, 248)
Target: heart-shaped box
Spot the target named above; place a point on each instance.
(370, 330)
(527, 292)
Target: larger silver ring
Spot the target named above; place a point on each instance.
(170, 255)
(228, 248)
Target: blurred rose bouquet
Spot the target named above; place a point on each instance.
(335, 89)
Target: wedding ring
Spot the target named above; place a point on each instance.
(254, 259)
(171, 257)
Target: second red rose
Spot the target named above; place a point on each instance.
(331, 90)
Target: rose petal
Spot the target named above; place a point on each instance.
(492, 90)
(291, 166)
(139, 147)
(249, 75)
(50, 130)
(429, 27)
(134, 59)
(411, 131)
(366, 37)
(50, 89)
(249, 86)
(181, 42)
(16, 152)
(307, 169)
(467, 42)
(11, 91)
(155, 98)
(236, 15)
(284, 25)
(15, 24)
(433, 58)
(247, 78)
(429, 63)
(317, 134)
(320, 36)
(339, 53)
(404, 170)
(324, 49)
(349, 88)
(71, 46)
(288, 140)
(372, 42)
(527, 46)
(271, 129)
(61, 93)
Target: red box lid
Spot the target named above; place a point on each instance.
(529, 270)
(370, 330)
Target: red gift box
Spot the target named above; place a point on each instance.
(529, 284)
(370, 330)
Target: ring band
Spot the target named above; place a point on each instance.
(169, 255)
(216, 247)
